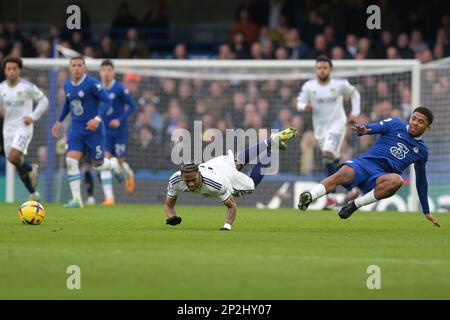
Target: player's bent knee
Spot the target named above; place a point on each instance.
(397, 181)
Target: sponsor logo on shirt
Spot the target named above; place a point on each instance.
(399, 151)
(77, 107)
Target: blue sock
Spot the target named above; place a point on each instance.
(256, 173)
(27, 182)
(254, 151)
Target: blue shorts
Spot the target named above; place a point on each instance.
(366, 174)
(117, 143)
(91, 141)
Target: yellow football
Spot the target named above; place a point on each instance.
(31, 212)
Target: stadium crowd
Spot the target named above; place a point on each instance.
(262, 30)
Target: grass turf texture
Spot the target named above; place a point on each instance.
(127, 251)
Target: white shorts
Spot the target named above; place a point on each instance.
(332, 141)
(19, 141)
(240, 182)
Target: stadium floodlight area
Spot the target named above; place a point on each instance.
(243, 94)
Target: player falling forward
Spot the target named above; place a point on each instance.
(17, 97)
(87, 103)
(324, 97)
(221, 177)
(377, 172)
(123, 105)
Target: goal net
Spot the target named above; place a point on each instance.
(261, 95)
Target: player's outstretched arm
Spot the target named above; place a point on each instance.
(231, 215)
(169, 207)
(432, 219)
(361, 130)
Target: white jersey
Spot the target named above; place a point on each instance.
(327, 102)
(18, 101)
(220, 179)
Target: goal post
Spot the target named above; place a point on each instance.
(158, 86)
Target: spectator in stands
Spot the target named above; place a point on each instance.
(417, 44)
(76, 41)
(186, 100)
(146, 145)
(330, 37)
(442, 38)
(243, 25)
(337, 53)
(438, 51)
(216, 102)
(267, 50)
(43, 49)
(364, 48)
(320, 47)
(296, 48)
(392, 53)
(387, 41)
(225, 52)
(256, 52)
(239, 46)
(424, 56)
(106, 49)
(180, 52)
(237, 109)
(89, 51)
(351, 45)
(133, 47)
(281, 54)
(169, 91)
(404, 50)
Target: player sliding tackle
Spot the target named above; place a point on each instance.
(87, 103)
(377, 172)
(17, 97)
(221, 177)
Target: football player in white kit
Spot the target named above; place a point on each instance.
(324, 97)
(17, 98)
(220, 177)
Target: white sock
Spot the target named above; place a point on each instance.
(126, 168)
(74, 177)
(366, 199)
(106, 178)
(106, 165)
(318, 191)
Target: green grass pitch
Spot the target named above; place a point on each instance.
(127, 251)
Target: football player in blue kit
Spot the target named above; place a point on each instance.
(377, 172)
(123, 105)
(87, 103)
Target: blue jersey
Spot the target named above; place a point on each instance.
(121, 98)
(394, 151)
(84, 101)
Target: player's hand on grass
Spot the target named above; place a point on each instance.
(361, 130)
(27, 120)
(92, 124)
(115, 123)
(432, 220)
(56, 128)
(174, 220)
